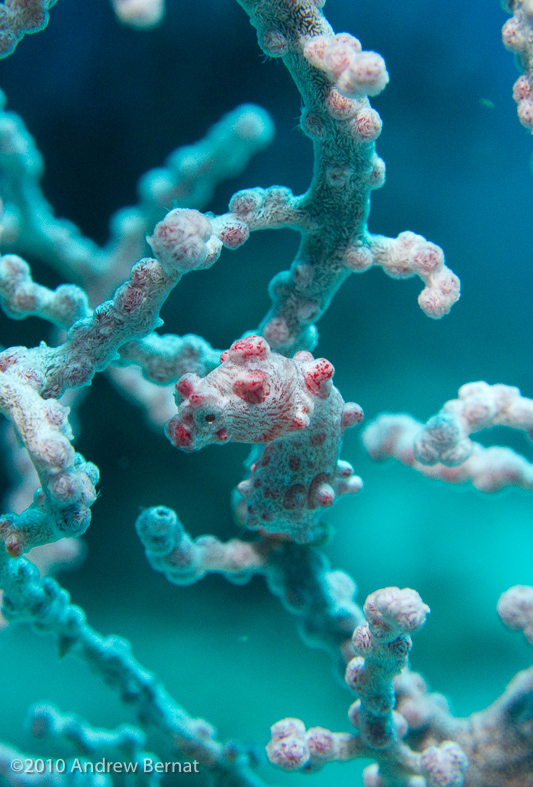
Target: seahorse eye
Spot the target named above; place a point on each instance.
(210, 418)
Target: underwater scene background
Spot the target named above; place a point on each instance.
(106, 103)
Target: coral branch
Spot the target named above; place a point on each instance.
(62, 505)
(183, 241)
(334, 77)
(47, 606)
(123, 744)
(188, 179)
(383, 644)
(322, 599)
(515, 608)
(30, 378)
(143, 14)
(164, 359)
(442, 448)
(20, 297)
(517, 36)
(18, 17)
(419, 744)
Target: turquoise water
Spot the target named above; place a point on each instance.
(105, 104)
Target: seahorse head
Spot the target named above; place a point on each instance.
(254, 396)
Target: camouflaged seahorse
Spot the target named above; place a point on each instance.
(258, 396)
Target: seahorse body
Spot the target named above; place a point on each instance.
(291, 405)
